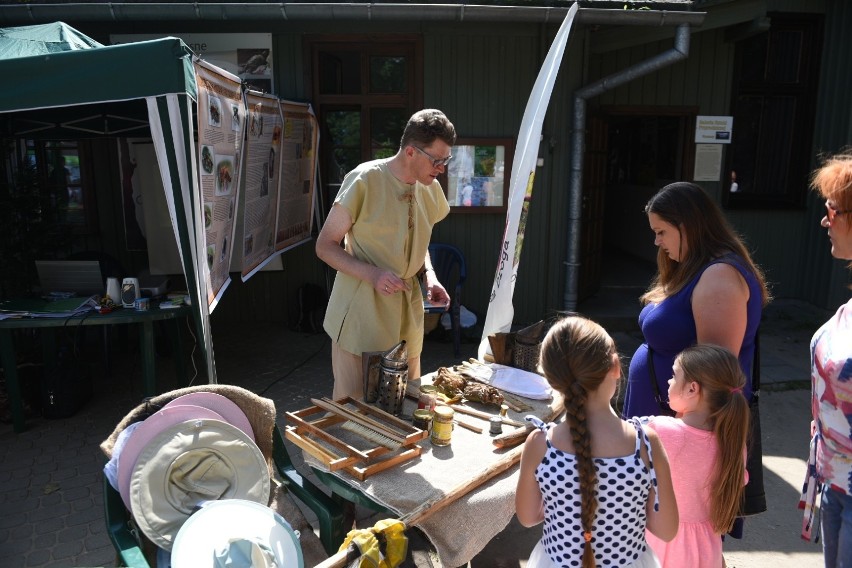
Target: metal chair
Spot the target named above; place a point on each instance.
(329, 513)
(451, 270)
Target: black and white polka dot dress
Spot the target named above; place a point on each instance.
(624, 484)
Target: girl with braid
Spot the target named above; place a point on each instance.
(595, 480)
(707, 448)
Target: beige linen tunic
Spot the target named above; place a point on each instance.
(358, 318)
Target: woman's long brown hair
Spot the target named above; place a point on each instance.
(707, 233)
(718, 372)
(576, 356)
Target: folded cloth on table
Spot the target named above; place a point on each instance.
(512, 380)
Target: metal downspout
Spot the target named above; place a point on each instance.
(677, 53)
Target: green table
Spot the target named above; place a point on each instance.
(145, 319)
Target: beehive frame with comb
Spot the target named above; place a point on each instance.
(395, 440)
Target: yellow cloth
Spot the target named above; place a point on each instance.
(393, 538)
(358, 318)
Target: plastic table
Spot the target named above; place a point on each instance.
(145, 319)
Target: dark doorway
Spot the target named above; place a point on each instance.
(647, 148)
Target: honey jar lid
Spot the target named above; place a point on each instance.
(428, 389)
(422, 413)
(444, 411)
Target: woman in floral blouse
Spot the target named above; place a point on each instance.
(830, 466)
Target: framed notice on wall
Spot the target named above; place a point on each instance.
(477, 178)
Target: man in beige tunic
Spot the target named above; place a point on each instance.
(384, 213)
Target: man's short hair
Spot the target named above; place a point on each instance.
(425, 126)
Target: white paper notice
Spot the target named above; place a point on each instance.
(708, 162)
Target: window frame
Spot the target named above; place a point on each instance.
(796, 156)
(409, 45)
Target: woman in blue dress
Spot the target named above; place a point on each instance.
(707, 290)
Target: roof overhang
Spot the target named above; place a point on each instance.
(672, 12)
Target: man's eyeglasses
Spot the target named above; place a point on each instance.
(831, 212)
(435, 161)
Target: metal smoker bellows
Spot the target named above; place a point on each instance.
(393, 378)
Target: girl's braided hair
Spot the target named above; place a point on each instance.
(576, 356)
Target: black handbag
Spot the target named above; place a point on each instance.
(754, 500)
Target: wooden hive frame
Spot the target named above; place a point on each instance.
(371, 423)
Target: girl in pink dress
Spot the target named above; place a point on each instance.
(706, 450)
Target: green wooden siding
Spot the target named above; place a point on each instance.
(481, 75)
(482, 79)
(824, 280)
(704, 80)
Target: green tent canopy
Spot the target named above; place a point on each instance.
(42, 86)
(41, 39)
(60, 84)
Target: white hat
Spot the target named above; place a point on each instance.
(147, 431)
(187, 464)
(237, 533)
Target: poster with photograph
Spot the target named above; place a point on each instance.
(262, 171)
(299, 142)
(221, 119)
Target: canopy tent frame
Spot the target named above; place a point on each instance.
(155, 80)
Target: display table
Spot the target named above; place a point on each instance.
(144, 319)
(463, 528)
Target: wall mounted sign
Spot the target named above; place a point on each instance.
(713, 129)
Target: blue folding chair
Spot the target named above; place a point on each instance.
(451, 270)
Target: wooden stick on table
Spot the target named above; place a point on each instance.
(483, 415)
(468, 425)
(513, 438)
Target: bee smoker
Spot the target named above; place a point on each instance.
(393, 379)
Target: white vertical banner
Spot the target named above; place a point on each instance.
(500, 308)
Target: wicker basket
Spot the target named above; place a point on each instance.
(525, 355)
(527, 346)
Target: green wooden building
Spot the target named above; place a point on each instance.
(621, 124)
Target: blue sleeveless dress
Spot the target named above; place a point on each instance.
(669, 328)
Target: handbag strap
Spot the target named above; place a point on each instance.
(665, 409)
(755, 369)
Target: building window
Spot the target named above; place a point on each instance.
(648, 147)
(773, 103)
(364, 90)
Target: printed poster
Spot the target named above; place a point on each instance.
(263, 172)
(221, 120)
(299, 144)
